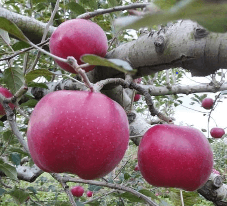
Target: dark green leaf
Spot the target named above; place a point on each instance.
(19, 195)
(35, 84)
(7, 135)
(76, 8)
(1, 124)
(13, 78)
(32, 189)
(12, 28)
(94, 188)
(2, 191)
(204, 130)
(30, 103)
(130, 197)
(4, 37)
(18, 150)
(20, 45)
(118, 64)
(15, 158)
(9, 171)
(78, 203)
(37, 73)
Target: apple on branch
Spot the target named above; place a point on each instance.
(79, 132)
(77, 191)
(77, 37)
(6, 93)
(175, 156)
(207, 103)
(217, 132)
(89, 193)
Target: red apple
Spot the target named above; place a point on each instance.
(207, 103)
(175, 156)
(137, 168)
(75, 38)
(217, 132)
(77, 191)
(83, 133)
(136, 97)
(89, 193)
(6, 93)
(138, 80)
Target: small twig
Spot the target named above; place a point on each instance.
(121, 169)
(21, 112)
(23, 50)
(94, 199)
(110, 10)
(65, 187)
(182, 198)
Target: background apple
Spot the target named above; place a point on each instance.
(79, 132)
(6, 93)
(77, 191)
(217, 132)
(136, 97)
(138, 80)
(207, 103)
(175, 156)
(75, 38)
(137, 168)
(89, 193)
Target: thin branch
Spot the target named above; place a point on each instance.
(113, 186)
(94, 199)
(110, 10)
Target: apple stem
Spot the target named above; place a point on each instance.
(73, 63)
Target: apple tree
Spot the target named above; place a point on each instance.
(88, 85)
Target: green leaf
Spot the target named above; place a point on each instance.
(2, 191)
(1, 124)
(32, 189)
(18, 150)
(13, 78)
(9, 171)
(4, 37)
(30, 103)
(130, 197)
(76, 8)
(94, 188)
(118, 64)
(15, 158)
(148, 193)
(20, 45)
(35, 84)
(37, 73)
(79, 203)
(12, 29)
(210, 15)
(19, 195)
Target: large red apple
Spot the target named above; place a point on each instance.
(175, 156)
(77, 191)
(79, 132)
(75, 38)
(6, 93)
(207, 103)
(217, 132)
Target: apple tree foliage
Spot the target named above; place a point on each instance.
(21, 183)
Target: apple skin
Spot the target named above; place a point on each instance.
(77, 37)
(137, 97)
(89, 193)
(207, 103)
(136, 168)
(217, 132)
(175, 156)
(77, 191)
(80, 132)
(6, 93)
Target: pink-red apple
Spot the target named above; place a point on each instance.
(77, 191)
(83, 133)
(175, 156)
(207, 103)
(136, 168)
(136, 97)
(217, 132)
(75, 38)
(6, 93)
(89, 193)
(138, 80)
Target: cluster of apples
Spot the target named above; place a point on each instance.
(87, 133)
(78, 191)
(215, 132)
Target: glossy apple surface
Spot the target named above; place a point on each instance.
(207, 103)
(175, 156)
(79, 132)
(6, 93)
(217, 132)
(136, 97)
(77, 191)
(89, 193)
(75, 38)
